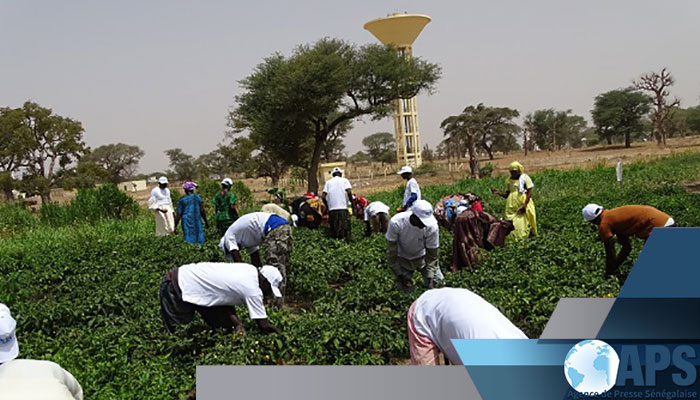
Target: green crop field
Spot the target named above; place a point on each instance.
(85, 294)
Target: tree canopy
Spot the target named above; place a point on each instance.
(552, 130)
(291, 105)
(119, 160)
(380, 146)
(619, 114)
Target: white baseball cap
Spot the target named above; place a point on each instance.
(406, 169)
(273, 276)
(336, 169)
(227, 181)
(9, 348)
(162, 180)
(424, 211)
(591, 211)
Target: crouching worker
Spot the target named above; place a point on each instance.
(623, 223)
(376, 218)
(254, 229)
(213, 289)
(412, 242)
(440, 315)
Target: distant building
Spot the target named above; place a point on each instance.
(133, 186)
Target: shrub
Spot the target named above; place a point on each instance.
(15, 218)
(91, 205)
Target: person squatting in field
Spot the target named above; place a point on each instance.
(252, 230)
(412, 242)
(336, 194)
(376, 217)
(30, 379)
(440, 315)
(308, 211)
(161, 206)
(214, 289)
(623, 223)
(191, 212)
(225, 206)
(412, 192)
(519, 205)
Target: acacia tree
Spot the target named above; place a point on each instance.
(289, 102)
(53, 144)
(119, 160)
(182, 164)
(496, 128)
(620, 113)
(552, 129)
(381, 146)
(14, 145)
(658, 84)
(462, 129)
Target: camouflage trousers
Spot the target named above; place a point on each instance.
(278, 249)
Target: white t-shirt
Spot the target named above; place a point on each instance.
(210, 284)
(160, 197)
(525, 183)
(37, 379)
(337, 196)
(375, 208)
(412, 240)
(411, 187)
(247, 232)
(454, 313)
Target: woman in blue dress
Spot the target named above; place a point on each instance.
(191, 212)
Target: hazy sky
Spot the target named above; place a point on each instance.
(163, 74)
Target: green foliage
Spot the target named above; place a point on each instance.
(292, 106)
(118, 160)
(91, 205)
(381, 146)
(618, 114)
(15, 218)
(552, 130)
(87, 295)
(486, 171)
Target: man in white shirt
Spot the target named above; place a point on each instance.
(161, 206)
(412, 242)
(30, 379)
(252, 230)
(213, 289)
(440, 315)
(412, 192)
(376, 218)
(336, 193)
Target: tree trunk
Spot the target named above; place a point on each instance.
(312, 185)
(45, 197)
(628, 143)
(473, 159)
(9, 196)
(275, 180)
(489, 151)
(609, 140)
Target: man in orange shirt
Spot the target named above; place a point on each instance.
(624, 222)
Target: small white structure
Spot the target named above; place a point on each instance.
(133, 186)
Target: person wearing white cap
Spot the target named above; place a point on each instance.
(30, 379)
(214, 289)
(161, 205)
(225, 206)
(440, 315)
(376, 218)
(412, 245)
(623, 223)
(255, 229)
(337, 194)
(412, 192)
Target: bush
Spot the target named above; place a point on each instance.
(15, 218)
(91, 205)
(486, 171)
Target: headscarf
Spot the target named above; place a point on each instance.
(189, 186)
(516, 166)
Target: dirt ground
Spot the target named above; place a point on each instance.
(371, 178)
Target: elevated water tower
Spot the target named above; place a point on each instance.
(401, 30)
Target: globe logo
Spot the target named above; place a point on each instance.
(591, 367)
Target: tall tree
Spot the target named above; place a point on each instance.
(237, 156)
(658, 84)
(619, 114)
(182, 164)
(334, 148)
(552, 129)
(118, 159)
(464, 129)
(380, 146)
(54, 143)
(15, 144)
(496, 128)
(320, 87)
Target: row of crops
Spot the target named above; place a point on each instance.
(86, 295)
